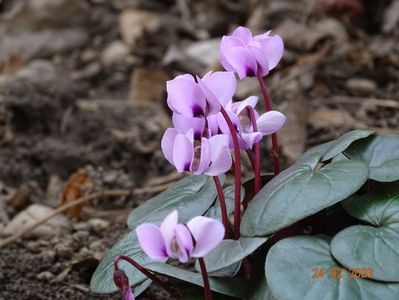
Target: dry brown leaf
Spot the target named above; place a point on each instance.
(77, 186)
(292, 137)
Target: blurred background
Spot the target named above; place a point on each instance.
(82, 109)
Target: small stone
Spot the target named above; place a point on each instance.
(206, 52)
(115, 53)
(45, 276)
(134, 23)
(361, 86)
(98, 225)
(59, 224)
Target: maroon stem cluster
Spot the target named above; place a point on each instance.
(268, 103)
(223, 207)
(237, 174)
(256, 164)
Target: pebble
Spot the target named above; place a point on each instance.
(114, 53)
(98, 225)
(361, 86)
(45, 276)
(59, 224)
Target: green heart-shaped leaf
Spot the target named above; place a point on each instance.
(191, 196)
(231, 251)
(231, 287)
(330, 149)
(376, 246)
(381, 152)
(300, 191)
(102, 279)
(300, 268)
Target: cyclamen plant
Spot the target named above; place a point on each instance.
(327, 225)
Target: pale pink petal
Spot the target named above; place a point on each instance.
(227, 43)
(213, 127)
(250, 139)
(167, 229)
(211, 100)
(151, 241)
(184, 124)
(185, 97)
(184, 242)
(205, 158)
(242, 60)
(243, 33)
(261, 37)
(182, 153)
(270, 122)
(220, 155)
(167, 143)
(222, 85)
(207, 233)
(241, 105)
(273, 48)
(261, 58)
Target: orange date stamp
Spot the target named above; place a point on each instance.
(338, 273)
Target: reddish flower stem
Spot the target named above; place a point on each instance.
(237, 175)
(268, 103)
(256, 165)
(223, 207)
(204, 273)
(147, 273)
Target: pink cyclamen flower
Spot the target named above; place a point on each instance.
(250, 56)
(122, 282)
(198, 156)
(203, 97)
(267, 123)
(180, 241)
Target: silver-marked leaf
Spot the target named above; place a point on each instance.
(375, 246)
(191, 196)
(330, 149)
(381, 152)
(300, 268)
(301, 191)
(231, 251)
(260, 290)
(231, 287)
(102, 279)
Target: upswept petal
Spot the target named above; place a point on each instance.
(220, 155)
(184, 241)
(213, 126)
(185, 97)
(243, 33)
(241, 105)
(273, 48)
(270, 122)
(222, 85)
(261, 58)
(167, 143)
(184, 124)
(167, 229)
(182, 153)
(205, 158)
(227, 43)
(207, 233)
(242, 60)
(211, 99)
(151, 241)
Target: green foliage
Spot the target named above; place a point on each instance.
(300, 191)
(299, 268)
(375, 246)
(231, 287)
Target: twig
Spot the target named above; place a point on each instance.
(364, 101)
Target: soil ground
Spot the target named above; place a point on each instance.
(82, 91)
